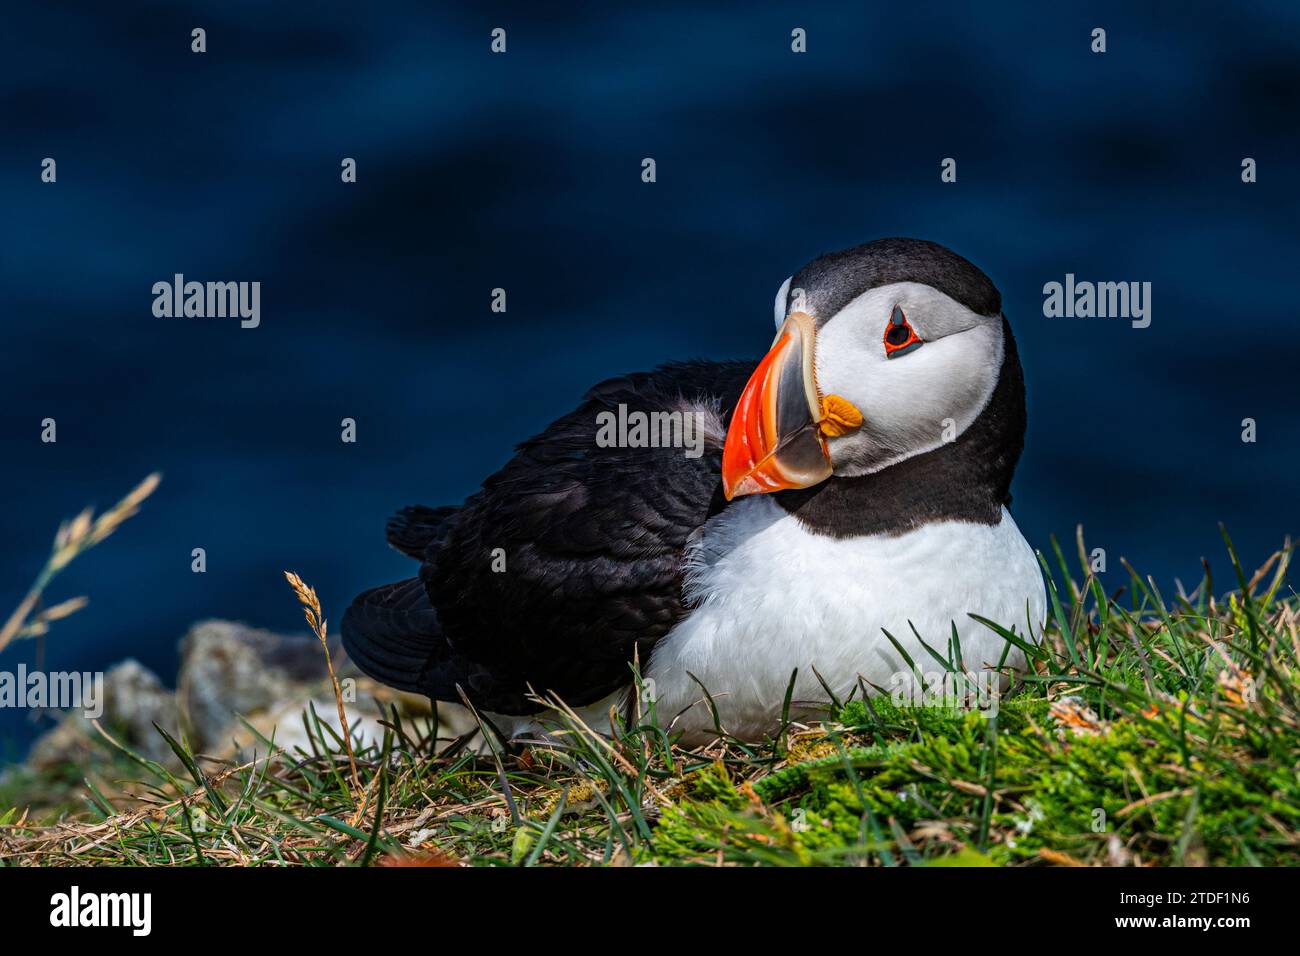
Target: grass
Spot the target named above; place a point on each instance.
(1147, 731)
(31, 619)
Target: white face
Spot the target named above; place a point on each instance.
(919, 398)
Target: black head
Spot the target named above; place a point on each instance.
(909, 335)
(832, 281)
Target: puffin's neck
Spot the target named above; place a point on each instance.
(968, 479)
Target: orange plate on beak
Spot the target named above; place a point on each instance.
(773, 441)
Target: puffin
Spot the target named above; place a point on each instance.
(841, 524)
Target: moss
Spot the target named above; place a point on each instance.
(1060, 794)
(712, 784)
(719, 817)
(581, 797)
(810, 748)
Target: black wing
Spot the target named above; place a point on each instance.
(565, 564)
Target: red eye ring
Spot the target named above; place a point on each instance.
(900, 338)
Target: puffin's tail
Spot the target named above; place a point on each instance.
(392, 634)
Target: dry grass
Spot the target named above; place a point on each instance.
(73, 538)
(320, 627)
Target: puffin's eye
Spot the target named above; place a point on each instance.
(900, 337)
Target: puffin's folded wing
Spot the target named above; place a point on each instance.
(570, 560)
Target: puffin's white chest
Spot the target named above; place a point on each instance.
(775, 597)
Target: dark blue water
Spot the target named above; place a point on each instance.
(522, 171)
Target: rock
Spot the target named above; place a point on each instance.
(228, 669)
(286, 726)
(134, 699)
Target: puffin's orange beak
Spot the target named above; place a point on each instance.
(775, 440)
